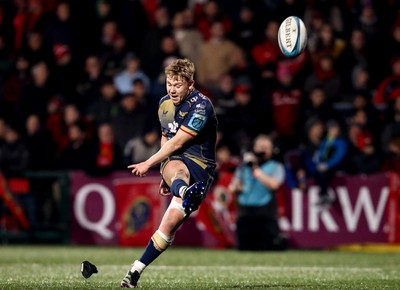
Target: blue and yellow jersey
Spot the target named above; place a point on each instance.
(195, 116)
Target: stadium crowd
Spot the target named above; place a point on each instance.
(80, 81)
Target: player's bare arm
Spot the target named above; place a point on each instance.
(169, 147)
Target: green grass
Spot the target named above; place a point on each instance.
(58, 267)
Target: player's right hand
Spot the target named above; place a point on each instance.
(164, 188)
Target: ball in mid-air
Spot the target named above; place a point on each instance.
(292, 36)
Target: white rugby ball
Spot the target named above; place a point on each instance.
(292, 36)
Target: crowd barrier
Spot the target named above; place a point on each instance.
(123, 210)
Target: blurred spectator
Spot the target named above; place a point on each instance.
(113, 60)
(365, 159)
(39, 144)
(168, 49)
(188, 38)
(88, 87)
(391, 128)
(355, 55)
(239, 123)
(308, 150)
(327, 44)
(329, 160)
(392, 159)
(324, 74)
(60, 29)
(388, 88)
(245, 32)
(75, 155)
(286, 101)
(207, 14)
(218, 56)
(109, 33)
(61, 119)
(18, 78)
(105, 155)
(256, 182)
(318, 106)
(14, 161)
(36, 95)
(35, 50)
(106, 107)
(64, 72)
(129, 121)
(14, 154)
(123, 80)
(142, 147)
(151, 45)
(267, 51)
(147, 102)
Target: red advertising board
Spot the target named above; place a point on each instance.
(358, 215)
(140, 209)
(120, 209)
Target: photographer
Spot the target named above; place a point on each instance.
(256, 182)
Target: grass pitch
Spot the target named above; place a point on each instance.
(58, 267)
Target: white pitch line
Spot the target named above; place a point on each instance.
(259, 268)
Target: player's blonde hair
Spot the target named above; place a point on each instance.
(183, 68)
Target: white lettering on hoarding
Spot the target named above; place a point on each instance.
(351, 214)
(363, 203)
(316, 213)
(108, 212)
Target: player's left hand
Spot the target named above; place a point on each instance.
(139, 169)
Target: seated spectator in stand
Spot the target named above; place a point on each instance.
(188, 38)
(329, 159)
(366, 159)
(14, 161)
(218, 56)
(123, 80)
(40, 145)
(324, 74)
(105, 155)
(129, 121)
(206, 14)
(105, 108)
(286, 101)
(89, 84)
(387, 89)
(256, 182)
(391, 128)
(36, 95)
(75, 155)
(267, 51)
(315, 133)
(391, 162)
(17, 78)
(317, 106)
(141, 147)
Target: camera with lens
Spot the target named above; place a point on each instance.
(252, 158)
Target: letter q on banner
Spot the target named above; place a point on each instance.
(101, 225)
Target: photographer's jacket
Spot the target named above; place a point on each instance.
(255, 193)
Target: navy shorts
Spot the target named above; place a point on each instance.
(197, 173)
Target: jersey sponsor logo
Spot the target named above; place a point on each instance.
(173, 127)
(194, 99)
(197, 121)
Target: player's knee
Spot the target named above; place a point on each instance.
(180, 174)
(161, 241)
(178, 206)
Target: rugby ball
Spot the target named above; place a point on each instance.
(292, 36)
